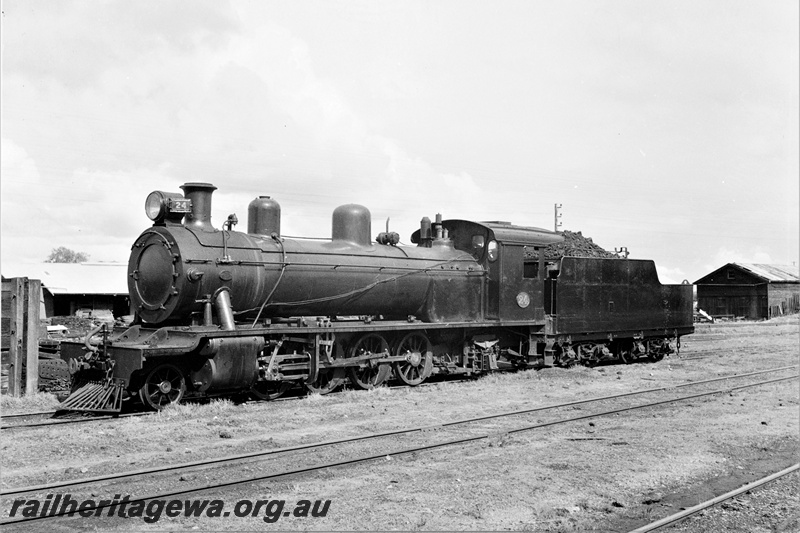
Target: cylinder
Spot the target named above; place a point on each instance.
(264, 217)
(352, 223)
(200, 195)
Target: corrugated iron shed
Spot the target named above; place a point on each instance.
(750, 290)
(73, 278)
(777, 273)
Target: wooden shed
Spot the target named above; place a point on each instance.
(71, 287)
(752, 291)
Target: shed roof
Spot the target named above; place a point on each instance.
(772, 272)
(767, 273)
(73, 278)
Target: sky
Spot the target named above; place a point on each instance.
(670, 128)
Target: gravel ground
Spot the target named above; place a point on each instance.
(611, 473)
(771, 508)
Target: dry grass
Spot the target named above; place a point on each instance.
(41, 401)
(578, 477)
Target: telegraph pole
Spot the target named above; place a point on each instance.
(556, 216)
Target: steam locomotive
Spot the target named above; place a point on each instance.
(220, 312)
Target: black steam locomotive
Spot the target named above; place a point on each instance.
(219, 312)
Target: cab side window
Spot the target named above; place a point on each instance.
(478, 246)
(531, 262)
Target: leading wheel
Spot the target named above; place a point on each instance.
(418, 363)
(372, 374)
(163, 386)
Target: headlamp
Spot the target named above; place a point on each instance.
(166, 205)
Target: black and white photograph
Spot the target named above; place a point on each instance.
(400, 265)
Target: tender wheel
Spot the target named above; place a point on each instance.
(416, 348)
(327, 381)
(269, 390)
(566, 357)
(164, 385)
(625, 353)
(655, 351)
(587, 356)
(372, 374)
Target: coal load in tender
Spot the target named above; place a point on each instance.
(575, 245)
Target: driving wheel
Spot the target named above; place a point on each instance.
(418, 363)
(327, 381)
(269, 390)
(372, 374)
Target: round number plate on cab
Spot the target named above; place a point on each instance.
(523, 299)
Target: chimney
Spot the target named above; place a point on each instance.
(200, 195)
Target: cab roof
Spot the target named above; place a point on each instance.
(508, 233)
(503, 232)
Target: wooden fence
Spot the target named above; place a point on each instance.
(20, 336)
(788, 306)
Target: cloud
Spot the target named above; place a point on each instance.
(671, 276)
(248, 113)
(497, 116)
(74, 43)
(96, 212)
(723, 256)
(20, 182)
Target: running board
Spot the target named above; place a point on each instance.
(96, 397)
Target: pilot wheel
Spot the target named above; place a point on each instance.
(163, 386)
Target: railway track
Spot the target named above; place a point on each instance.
(22, 415)
(347, 447)
(56, 418)
(49, 418)
(677, 517)
(46, 418)
(693, 358)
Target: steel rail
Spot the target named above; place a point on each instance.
(58, 422)
(96, 479)
(464, 440)
(19, 415)
(697, 357)
(300, 447)
(405, 451)
(232, 458)
(671, 519)
(125, 415)
(55, 422)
